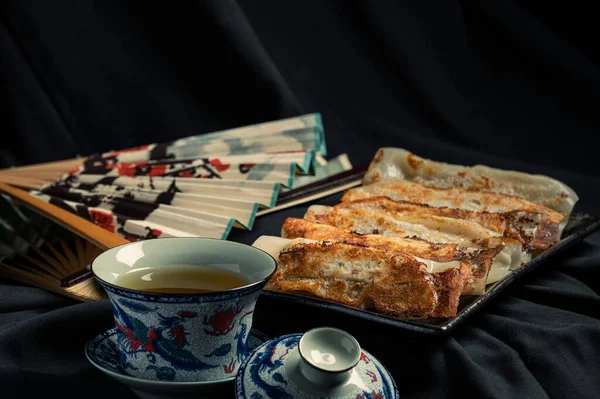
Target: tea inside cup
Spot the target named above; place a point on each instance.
(144, 263)
(183, 307)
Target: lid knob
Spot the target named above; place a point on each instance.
(328, 355)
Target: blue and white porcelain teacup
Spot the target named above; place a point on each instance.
(182, 336)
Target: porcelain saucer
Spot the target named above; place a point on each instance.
(102, 352)
(275, 370)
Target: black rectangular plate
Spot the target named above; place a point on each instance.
(580, 226)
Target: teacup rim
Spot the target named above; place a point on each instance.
(180, 295)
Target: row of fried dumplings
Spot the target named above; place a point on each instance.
(418, 234)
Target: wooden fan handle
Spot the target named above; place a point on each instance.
(96, 235)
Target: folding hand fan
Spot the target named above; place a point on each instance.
(48, 247)
(202, 185)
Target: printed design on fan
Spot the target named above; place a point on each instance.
(205, 168)
(306, 134)
(135, 214)
(106, 211)
(201, 168)
(102, 219)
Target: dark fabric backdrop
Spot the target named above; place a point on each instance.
(505, 83)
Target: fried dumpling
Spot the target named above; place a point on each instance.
(467, 235)
(550, 224)
(397, 163)
(432, 228)
(437, 257)
(519, 225)
(388, 282)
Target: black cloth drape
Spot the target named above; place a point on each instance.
(509, 84)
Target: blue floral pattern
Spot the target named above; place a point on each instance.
(104, 353)
(182, 341)
(163, 373)
(262, 375)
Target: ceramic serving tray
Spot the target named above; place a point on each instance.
(580, 226)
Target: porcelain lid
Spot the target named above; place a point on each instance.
(322, 363)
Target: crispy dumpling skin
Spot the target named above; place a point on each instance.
(438, 257)
(389, 283)
(397, 163)
(491, 221)
(549, 225)
(418, 234)
(436, 229)
(433, 228)
(518, 225)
